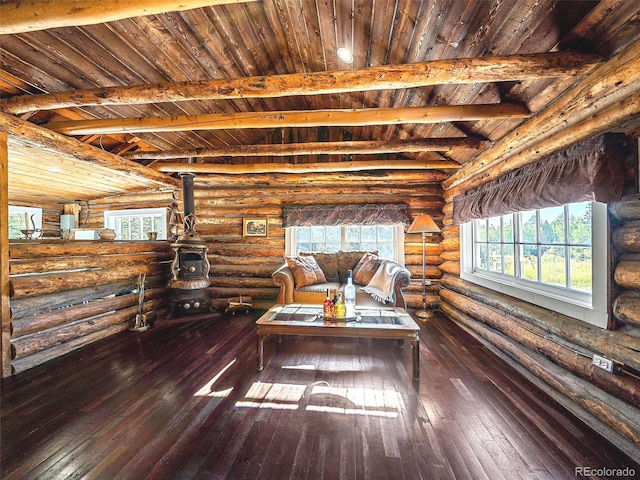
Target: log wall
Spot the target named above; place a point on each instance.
(556, 351)
(66, 294)
(243, 265)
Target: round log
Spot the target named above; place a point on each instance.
(626, 210)
(627, 237)
(627, 274)
(626, 308)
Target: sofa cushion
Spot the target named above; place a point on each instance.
(366, 268)
(348, 261)
(328, 262)
(305, 271)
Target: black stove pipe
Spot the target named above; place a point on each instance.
(187, 194)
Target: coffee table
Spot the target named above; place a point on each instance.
(371, 322)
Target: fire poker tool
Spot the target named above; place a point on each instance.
(141, 318)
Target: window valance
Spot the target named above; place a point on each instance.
(589, 170)
(368, 214)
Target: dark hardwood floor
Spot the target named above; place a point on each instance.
(185, 401)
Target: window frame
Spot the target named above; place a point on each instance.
(20, 211)
(111, 218)
(398, 240)
(592, 308)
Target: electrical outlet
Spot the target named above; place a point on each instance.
(603, 363)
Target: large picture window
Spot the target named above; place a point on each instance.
(555, 257)
(385, 239)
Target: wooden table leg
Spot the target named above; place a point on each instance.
(260, 352)
(416, 359)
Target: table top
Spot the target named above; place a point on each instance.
(307, 316)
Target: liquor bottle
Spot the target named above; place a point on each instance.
(327, 306)
(339, 310)
(350, 296)
(335, 296)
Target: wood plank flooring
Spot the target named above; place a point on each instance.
(184, 401)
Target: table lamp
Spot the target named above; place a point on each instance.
(424, 224)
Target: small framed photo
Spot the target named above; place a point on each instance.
(254, 227)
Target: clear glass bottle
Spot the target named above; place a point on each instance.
(327, 306)
(350, 296)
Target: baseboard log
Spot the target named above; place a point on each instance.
(627, 237)
(627, 274)
(624, 387)
(21, 364)
(53, 282)
(223, 292)
(626, 210)
(31, 344)
(626, 308)
(610, 343)
(62, 316)
(612, 412)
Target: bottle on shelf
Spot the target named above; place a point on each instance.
(339, 310)
(350, 296)
(327, 306)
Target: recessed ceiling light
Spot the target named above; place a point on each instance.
(345, 55)
(54, 170)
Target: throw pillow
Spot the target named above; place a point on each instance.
(305, 271)
(328, 263)
(366, 268)
(348, 261)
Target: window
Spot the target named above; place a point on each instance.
(136, 224)
(553, 257)
(18, 218)
(388, 240)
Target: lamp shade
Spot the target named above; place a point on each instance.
(423, 224)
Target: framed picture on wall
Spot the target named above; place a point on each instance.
(254, 227)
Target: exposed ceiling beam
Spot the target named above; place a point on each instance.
(319, 148)
(438, 72)
(20, 16)
(248, 168)
(295, 118)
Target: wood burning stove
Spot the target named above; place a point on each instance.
(190, 267)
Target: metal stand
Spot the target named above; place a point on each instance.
(424, 313)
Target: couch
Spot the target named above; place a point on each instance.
(305, 278)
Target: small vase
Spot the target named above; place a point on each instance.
(107, 234)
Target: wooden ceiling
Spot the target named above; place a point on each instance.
(256, 86)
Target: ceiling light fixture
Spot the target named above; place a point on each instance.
(345, 55)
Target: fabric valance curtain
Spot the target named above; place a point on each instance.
(589, 170)
(368, 214)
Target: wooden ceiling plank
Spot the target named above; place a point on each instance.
(23, 131)
(453, 71)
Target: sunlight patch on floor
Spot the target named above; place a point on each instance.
(324, 398)
(207, 389)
